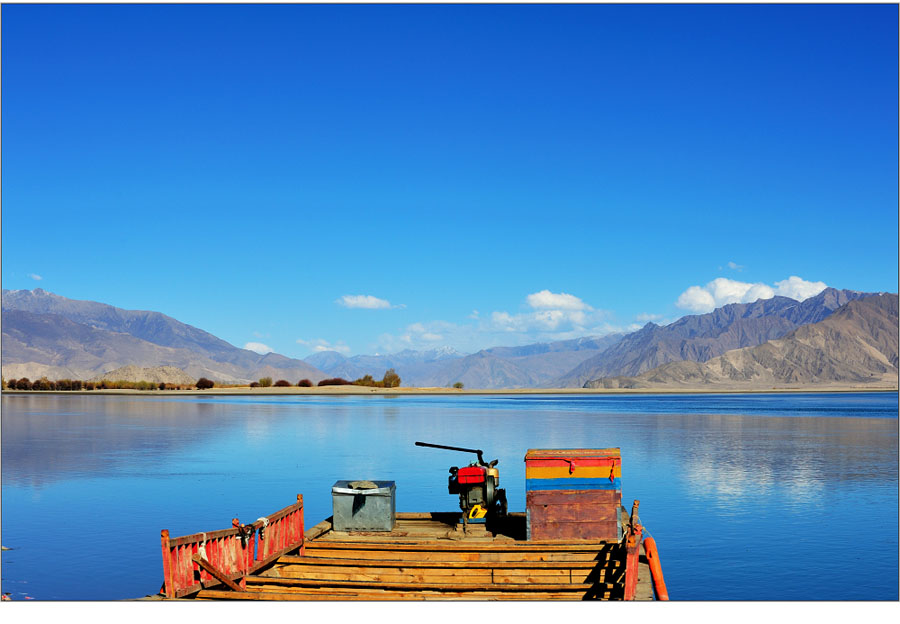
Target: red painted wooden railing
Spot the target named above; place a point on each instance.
(632, 552)
(231, 554)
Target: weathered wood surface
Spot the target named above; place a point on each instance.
(457, 584)
(335, 594)
(568, 515)
(436, 561)
(218, 574)
(428, 557)
(447, 556)
(609, 498)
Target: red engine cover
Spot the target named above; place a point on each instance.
(471, 474)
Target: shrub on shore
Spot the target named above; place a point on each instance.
(391, 379)
(304, 383)
(335, 381)
(282, 383)
(265, 382)
(254, 384)
(23, 384)
(204, 384)
(458, 385)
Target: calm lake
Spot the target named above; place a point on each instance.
(753, 497)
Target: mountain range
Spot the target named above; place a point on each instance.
(857, 344)
(699, 337)
(499, 367)
(48, 335)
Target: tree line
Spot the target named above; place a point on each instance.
(76, 385)
(390, 380)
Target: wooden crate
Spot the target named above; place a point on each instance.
(573, 494)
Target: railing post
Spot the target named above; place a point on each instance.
(632, 552)
(300, 526)
(168, 580)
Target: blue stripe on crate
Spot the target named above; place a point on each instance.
(573, 484)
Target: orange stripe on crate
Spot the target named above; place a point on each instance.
(577, 471)
(577, 461)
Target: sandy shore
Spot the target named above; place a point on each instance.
(364, 391)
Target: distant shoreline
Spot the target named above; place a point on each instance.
(366, 391)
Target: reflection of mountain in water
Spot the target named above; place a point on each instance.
(49, 438)
(750, 456)
(45, 439)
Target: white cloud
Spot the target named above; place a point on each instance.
(258, 347)
(735, 266)
(799, 289)
(547, 317)
(35, 276)
(556, 301)
(367, 302)
(318, 345)
(696, 299)
(647, 317)
(722, 291)
(552, 312)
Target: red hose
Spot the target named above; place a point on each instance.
(659, 584)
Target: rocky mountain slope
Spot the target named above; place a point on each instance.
(701, 337)
(856, 345)
(157, 374)
(45, 334)
(498, 367)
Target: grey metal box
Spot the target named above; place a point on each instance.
(364, 510)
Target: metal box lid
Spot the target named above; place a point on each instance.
(383, 488)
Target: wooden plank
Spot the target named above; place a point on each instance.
(319, 529)
(199, 537)
(209, 594)
(577, 512)
(437, 546)
(611, 498)
(533, 454)
(632, 567)
(488, 565)
(386, 596)
(218, 574)
(644, 588)
(379, 576)
(407, 556)
(436, 575)
(529, 587)
(281, 513)
(570, 530)
(362, 593)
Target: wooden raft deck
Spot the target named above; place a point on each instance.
(428, 557)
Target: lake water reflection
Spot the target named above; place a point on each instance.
(749, 497)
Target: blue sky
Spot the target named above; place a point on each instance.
(372, 178)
